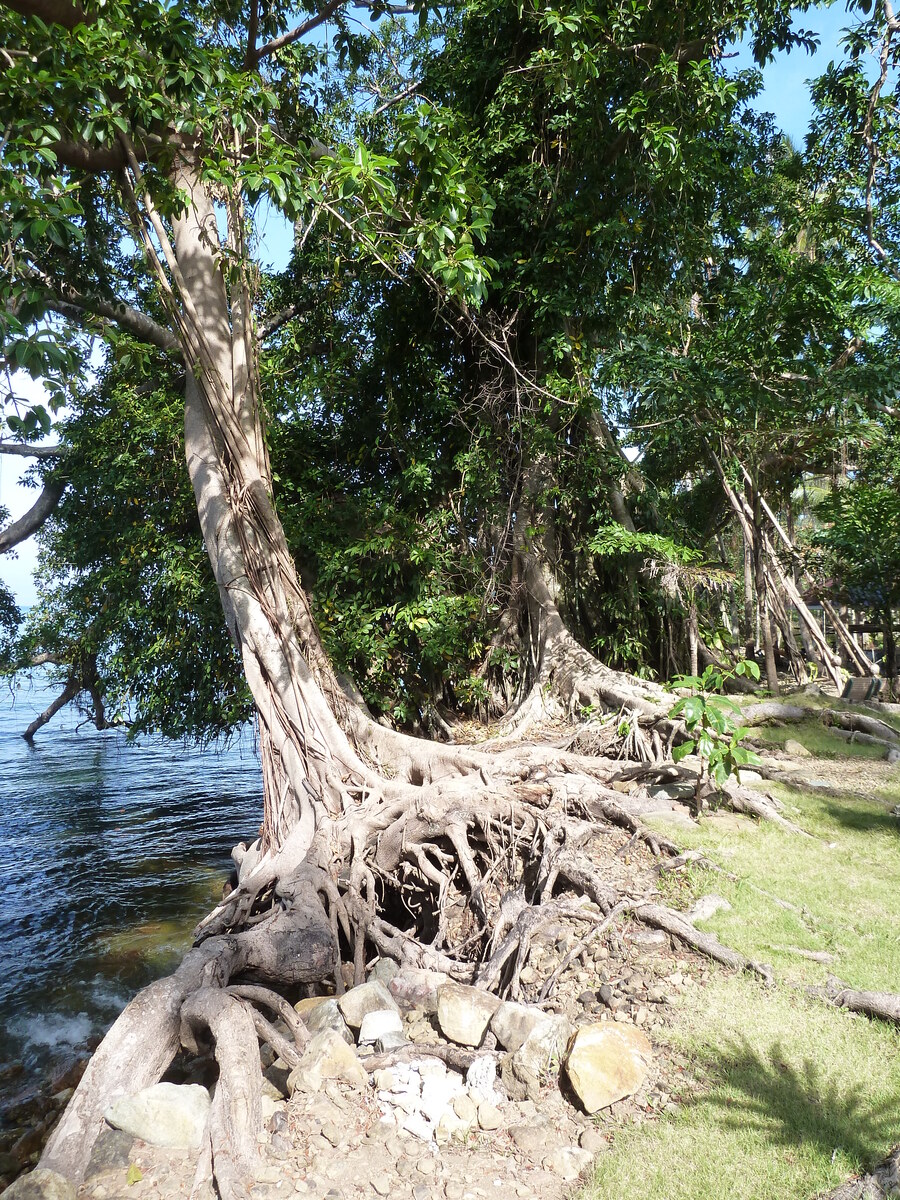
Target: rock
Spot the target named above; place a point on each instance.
(372, 996)
(111, 1152)
(41, 1185)
(592, 1140)
(489, 1116)
(327, 1015)
(326, 1057)
(545, 1044)
(568, 1162)
(649, 939)
(382, 1184)
(606, 1063)
(391, 1041)
(465, 1108)
(531, 1139)
(379, 1024)
(412, 988)
(304, 1007)
(795, 749)
(893, 756)
(384, 970)
(605, 993)
(514, 1023)
(438, 1094)
(419, 1126)
(482, 1075)
(166, 1114)
(586, 999)
(464, 1013)
(707, 906)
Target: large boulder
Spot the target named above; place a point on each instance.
(41, 1185)
(371, 996)
(165, 1114)
(606, 1062)
(326, 1057)
(464, 1013)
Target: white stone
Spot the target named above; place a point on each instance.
(707, 906)
(482, 1075)
(418, 1126)
(165, 1114)
(378, 1024)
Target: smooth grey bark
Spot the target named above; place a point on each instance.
(43, 508)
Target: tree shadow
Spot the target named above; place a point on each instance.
(793, 1104)
(862, 819)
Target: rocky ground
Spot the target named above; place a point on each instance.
(416, 1087)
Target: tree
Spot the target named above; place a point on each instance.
(138, 136)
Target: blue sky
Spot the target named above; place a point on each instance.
(785, 94)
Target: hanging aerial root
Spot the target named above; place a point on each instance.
(277, 1004)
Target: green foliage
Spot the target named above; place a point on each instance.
(124, 578)
(710, 718)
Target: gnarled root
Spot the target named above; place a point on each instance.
(459, 876)
(883, 1006)
(235, 1116)
(880, 1184)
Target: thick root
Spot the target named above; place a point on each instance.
(880, 1184)
(883, 1006)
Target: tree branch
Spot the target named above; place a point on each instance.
(299, 31)
(52, 12)
(77, 307)
(45, 504)
(26, 451)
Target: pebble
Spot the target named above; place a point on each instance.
(381, 1185)
(426, 1165)
(605, 993)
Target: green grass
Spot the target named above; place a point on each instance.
(789, 1095)
(818, 739)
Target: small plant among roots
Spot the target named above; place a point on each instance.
(711, 721)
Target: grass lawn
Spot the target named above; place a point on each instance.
(784, 1096)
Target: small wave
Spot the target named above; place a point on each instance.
(53, 1029)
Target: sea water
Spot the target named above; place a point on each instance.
(110, 851)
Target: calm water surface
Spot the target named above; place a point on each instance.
(109, 853)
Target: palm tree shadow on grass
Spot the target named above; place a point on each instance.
(794, 1104)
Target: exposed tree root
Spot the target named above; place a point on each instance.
(458, 876)
(880, 1184)
(706, 943)
(883, 1006)
(456, 1057)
